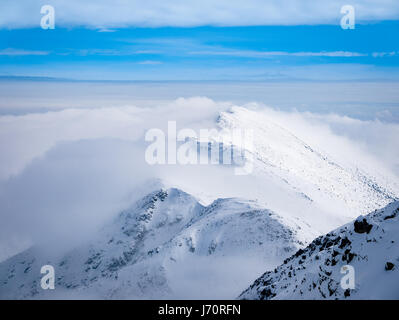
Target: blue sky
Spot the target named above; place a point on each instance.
(311, 51)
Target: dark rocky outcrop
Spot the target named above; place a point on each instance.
(389, 266)
(362, 226)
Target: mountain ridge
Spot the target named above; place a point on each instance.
(368, 244)
(137, 253)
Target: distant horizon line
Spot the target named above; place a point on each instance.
(59, 79)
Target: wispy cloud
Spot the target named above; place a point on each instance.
(328, 54)
(127, 51)
(22, 52)
(384, 54)
(106, 30)
(150, 62)
(260, 54)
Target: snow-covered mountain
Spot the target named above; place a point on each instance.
(322, 177)
(369, 244)
(295, 178)
(206, 233)
(160, 247)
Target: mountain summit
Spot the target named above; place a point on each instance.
(164, 245)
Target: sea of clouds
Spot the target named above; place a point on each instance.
(64, 173)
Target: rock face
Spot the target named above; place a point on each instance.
(389, 266)
(362, 226)
(315, 272)
(161, 242)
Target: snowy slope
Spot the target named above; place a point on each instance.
(319, 175)
(369, 244)
(162, 246)
(292, 177)
(215, 237)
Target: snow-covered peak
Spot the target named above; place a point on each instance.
(369, 244)
(164, 245)
(335, 189)
(311, 170)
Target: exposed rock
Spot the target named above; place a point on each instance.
(389, 266)
(362, 226)
(327, 255)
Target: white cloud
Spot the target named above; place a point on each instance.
(371, 143)
(64, 173)
(261, 54)
(106, 30)
(21, 52)
(105, 14)
(150, 62)
(383, 54)
(24, 138)
(70, 191)
(328, 54)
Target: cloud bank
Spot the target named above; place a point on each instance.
(64, 173)
(106, 15)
